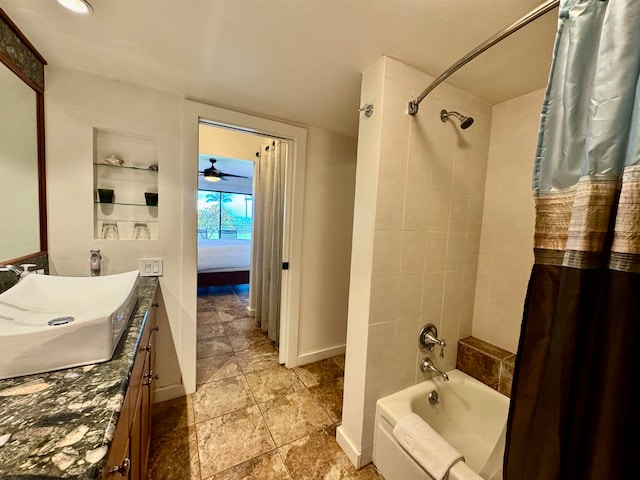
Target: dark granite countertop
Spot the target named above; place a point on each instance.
(60, 424)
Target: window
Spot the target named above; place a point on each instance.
(223, 215)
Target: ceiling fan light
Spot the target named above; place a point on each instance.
(77, 6)
(211, 174)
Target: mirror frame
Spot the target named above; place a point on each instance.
(21, 57)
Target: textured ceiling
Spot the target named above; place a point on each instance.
(296, 60)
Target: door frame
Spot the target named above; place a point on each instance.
(193, 114)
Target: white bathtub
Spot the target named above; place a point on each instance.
(470, 416)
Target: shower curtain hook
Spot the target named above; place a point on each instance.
(367, 109)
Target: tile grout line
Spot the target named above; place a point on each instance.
(243, 374)
(286, 469)
(277, 448)
(316, 401)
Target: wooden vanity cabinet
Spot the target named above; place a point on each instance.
(129, 452)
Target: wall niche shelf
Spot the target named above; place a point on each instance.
(129, 167)
(126, 204)
(128, 216)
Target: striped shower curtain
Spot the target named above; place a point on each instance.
(575, 405)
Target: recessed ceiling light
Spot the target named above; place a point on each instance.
(77, 6)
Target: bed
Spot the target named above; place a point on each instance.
(223, 262)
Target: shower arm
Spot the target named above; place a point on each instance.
(444, 114)
(498, 37)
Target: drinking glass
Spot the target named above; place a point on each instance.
(110, 231)
(141, 231)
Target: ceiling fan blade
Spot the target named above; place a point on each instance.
(212, 171)
(222, 174)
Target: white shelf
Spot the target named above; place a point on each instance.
(129, 181)
(126, 204)
(127, 167)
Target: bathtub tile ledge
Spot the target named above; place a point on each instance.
(487, 363)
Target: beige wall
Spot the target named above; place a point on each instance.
(77, 102)
(506, 245)
(229, 143)
(326, 243)
(417, 219)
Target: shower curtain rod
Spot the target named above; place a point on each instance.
(498, 37)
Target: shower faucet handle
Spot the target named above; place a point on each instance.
(441, 343)
(428, 339)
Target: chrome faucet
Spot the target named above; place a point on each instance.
(428, 339)
(426, 365)
(12, 269)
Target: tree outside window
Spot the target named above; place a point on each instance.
(224, 215)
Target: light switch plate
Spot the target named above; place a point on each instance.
(150, 267)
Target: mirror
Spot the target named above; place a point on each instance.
(22, 197)
(19, 207)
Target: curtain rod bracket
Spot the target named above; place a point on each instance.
(413, 107)
(367, 109)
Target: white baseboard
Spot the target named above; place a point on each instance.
(358, 458)
(321, 354)
(169, 393)
(251, 312)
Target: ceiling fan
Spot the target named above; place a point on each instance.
(212, 174)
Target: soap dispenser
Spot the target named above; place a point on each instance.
(96, 259)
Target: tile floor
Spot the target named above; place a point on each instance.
(250, 417)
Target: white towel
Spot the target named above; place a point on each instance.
(426, 446)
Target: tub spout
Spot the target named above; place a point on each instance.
(426, 365)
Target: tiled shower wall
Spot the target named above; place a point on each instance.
(506, 245)
(417, 222)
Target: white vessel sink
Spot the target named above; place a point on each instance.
(49, 323)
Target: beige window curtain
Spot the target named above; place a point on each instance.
(268, 226)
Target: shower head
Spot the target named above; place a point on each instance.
(465, 122)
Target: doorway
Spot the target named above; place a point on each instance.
(225, 203)
(196, 114)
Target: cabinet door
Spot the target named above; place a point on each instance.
(148, 388)
(118, 465)
(129, 454)
(145, 426)
(137, 435)
(138, 372)
(153, 340)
